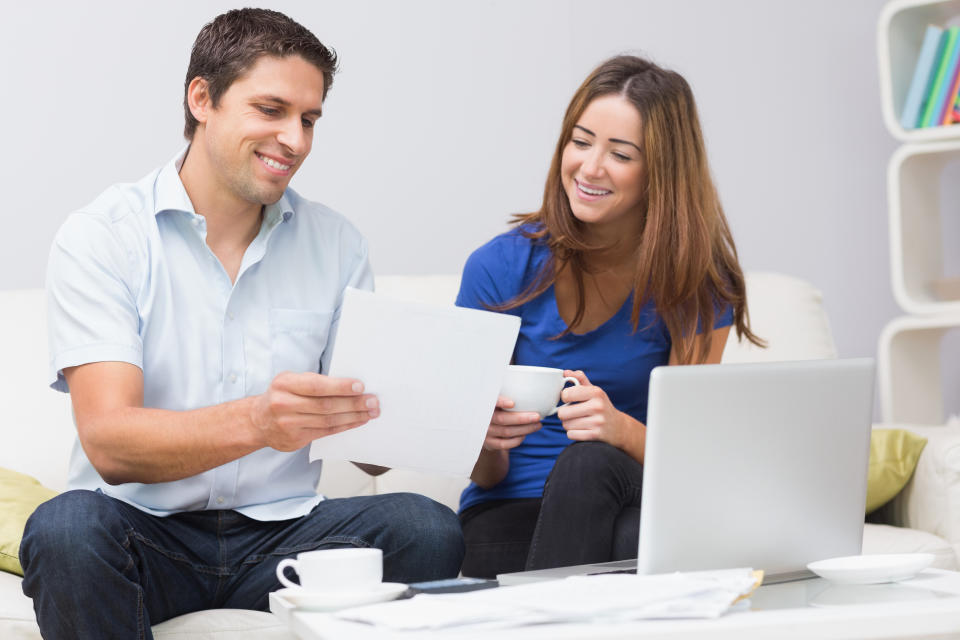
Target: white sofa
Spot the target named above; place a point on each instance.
(38, 432)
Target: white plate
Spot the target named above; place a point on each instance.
(333, 600)
(872, 569)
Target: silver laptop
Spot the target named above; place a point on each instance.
(750, 465)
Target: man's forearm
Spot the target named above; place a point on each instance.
(133, 444)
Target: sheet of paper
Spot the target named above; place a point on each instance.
(598, 598)
(437, 373)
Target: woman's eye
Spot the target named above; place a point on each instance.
(622, 157)
(580, 144)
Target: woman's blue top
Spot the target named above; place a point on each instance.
(613, 356)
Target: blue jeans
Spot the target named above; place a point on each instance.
(97, 567)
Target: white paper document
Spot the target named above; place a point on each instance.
(599, 598)
(436, 371)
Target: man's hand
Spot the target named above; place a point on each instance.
(298, 408)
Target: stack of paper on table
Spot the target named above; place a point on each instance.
(436, 371)
(598, 598)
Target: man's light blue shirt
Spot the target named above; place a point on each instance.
(131, 279)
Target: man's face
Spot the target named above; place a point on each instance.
(262, 130)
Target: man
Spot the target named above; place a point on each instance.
(190, 316)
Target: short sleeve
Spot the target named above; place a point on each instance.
(724, 315)
(91, 310)
(493, 273)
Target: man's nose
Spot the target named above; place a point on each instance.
(294, 137)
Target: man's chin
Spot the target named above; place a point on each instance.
(266, 197)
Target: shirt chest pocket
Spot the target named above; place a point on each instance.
(298, 339)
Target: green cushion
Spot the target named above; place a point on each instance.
(19, 496)
(893, 457)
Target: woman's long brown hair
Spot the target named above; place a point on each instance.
(686, 259)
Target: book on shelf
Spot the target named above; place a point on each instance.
(953, 99)
(937, 88)
(946, 98)
(921, 77)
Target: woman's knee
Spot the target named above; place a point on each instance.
(586, 460)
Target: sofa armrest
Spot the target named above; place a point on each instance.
(931, 500)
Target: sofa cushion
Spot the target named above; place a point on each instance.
(17, 621)
(893, 457)
(19, 496)
(883, 538)
(788, 314)
(223, 624)
(38, 426)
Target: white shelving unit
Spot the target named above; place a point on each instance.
(910, 349)
(909, 368)
(916, 252)
(899, 37)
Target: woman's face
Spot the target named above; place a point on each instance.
(602, 168)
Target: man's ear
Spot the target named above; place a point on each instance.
(198, 98)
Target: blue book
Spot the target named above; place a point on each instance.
(922, 74)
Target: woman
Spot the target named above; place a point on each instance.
(629, 264)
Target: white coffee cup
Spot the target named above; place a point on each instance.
(334, 569)
(534, 388)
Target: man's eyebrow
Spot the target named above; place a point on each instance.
(617, 140)
(284, 103)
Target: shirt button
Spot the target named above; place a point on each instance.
(219, 499)
(233, 377)
(230, 315)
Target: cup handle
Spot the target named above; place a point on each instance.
(286, 562)
(567, 379)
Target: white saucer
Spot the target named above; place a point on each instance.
(872, 569)
(333, 600)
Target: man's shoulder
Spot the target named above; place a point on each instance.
(116, 211)
(320, 217)
(122, 199)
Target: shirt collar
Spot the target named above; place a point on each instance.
(170, 194)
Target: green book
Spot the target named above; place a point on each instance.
(942, 64)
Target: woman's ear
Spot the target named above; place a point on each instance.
(198, 99)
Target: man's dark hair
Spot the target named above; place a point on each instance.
(230, 45)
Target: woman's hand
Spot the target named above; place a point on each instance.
(507, 428)
(591, 416)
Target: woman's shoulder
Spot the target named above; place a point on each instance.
(498, 270)
(513, 246)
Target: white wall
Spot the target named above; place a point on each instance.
(444, 116)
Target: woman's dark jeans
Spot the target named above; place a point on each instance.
(97, 567)
(590, 512)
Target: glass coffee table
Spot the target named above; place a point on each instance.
(926, 606)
